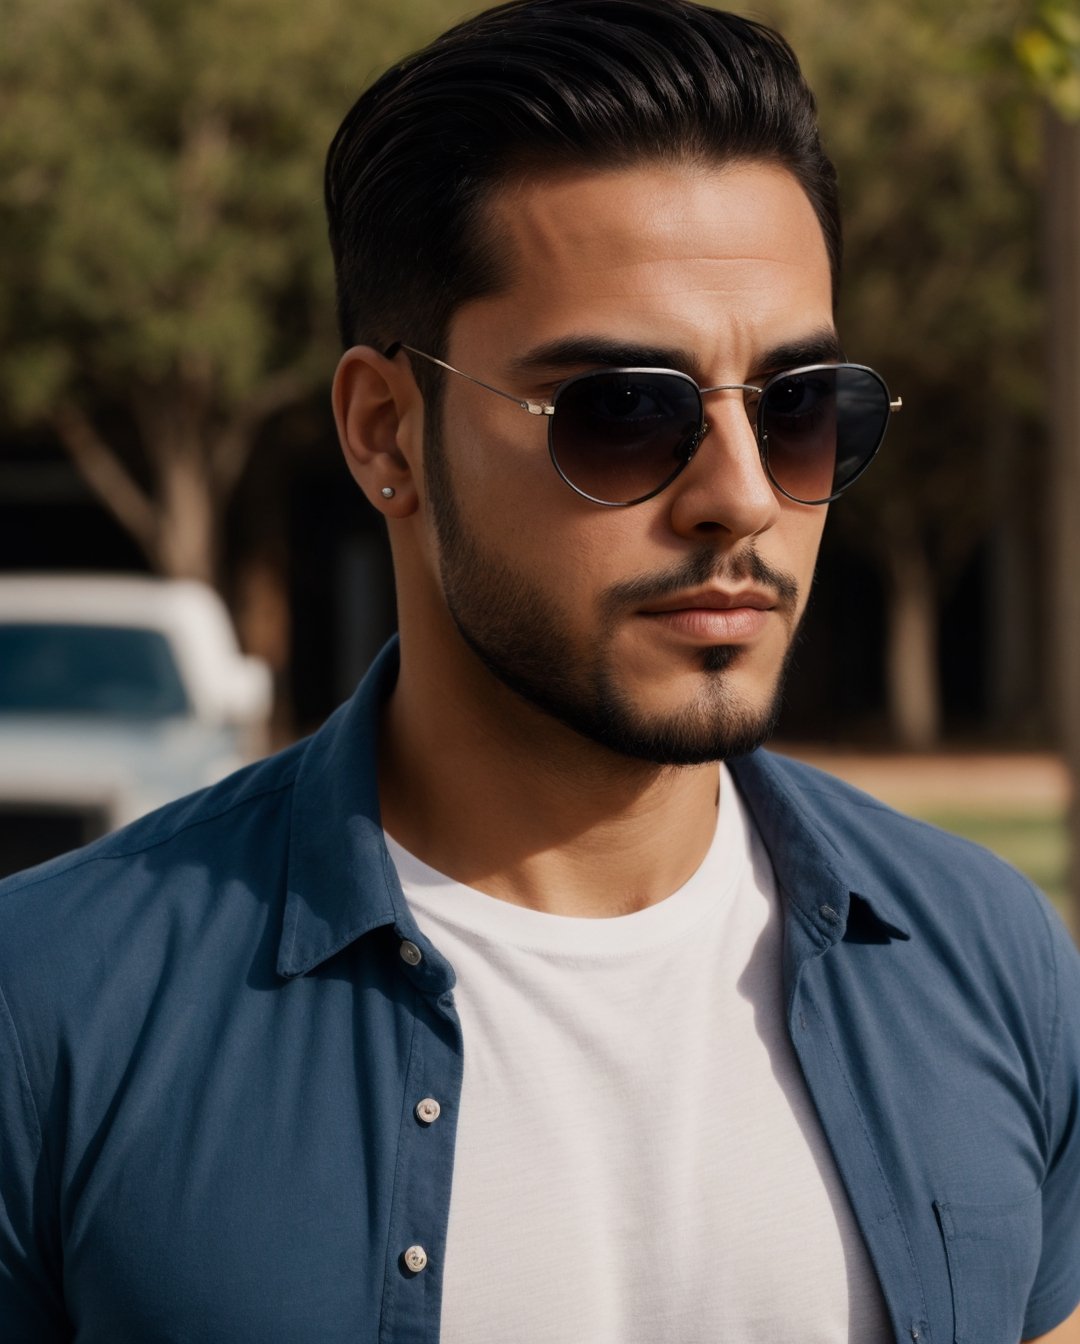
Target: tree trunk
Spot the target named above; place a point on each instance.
(187, 535)
(178, 524)
(1063, 394)
(913, 685)
(1017, 602)
(195, 464)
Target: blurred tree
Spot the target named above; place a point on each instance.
(164, 278)
(1049, 50)
(1048, 47)
(164, 275)
(935, 137)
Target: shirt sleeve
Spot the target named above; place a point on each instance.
(1057, 1286)
(30, 1310)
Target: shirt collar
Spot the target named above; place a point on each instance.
(341, 883)
(804, 818)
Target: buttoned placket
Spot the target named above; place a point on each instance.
(808, 943)
(420, 1209)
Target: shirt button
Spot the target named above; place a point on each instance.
(415, 1259)
(411, 953)
(428, 1110)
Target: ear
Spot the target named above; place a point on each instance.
(380, 422)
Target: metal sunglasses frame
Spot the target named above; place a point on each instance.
(547, 408)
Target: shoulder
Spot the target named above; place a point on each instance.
(926, 879)
(177, 857)
(976, 941)
(190, 819)
(857, 828)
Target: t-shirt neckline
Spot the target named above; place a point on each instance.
(435, 897)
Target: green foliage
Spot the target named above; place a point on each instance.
(935, 135)
(162, 242)
(161, 218)
(1048, 48)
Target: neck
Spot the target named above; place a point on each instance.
(499, 796)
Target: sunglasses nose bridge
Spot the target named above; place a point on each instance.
(725, 387)
(729, 427)
(704, 392)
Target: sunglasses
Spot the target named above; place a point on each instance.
(620, 436)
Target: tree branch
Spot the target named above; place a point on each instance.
(107, 476)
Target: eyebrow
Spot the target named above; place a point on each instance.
(817, 347)
(573, 351)
(821, 346)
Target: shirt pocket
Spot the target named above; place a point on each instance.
(993, 1252)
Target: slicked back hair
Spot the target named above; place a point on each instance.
(534, 87)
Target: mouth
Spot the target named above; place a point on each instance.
(713, 615)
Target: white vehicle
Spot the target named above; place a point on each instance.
(117, 694)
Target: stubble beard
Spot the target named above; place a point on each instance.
(518, 635)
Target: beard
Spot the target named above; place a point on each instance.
(519, 635)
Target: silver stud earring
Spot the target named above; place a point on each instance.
(388, 492)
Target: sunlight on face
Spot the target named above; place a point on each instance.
(660, 630)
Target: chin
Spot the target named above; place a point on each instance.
(695, 735)
(713, 723)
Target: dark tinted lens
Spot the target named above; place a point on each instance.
(821, 428)
(620, 437)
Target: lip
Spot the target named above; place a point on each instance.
(713, 615)
(711, 599)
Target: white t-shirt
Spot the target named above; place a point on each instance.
(638, 1159)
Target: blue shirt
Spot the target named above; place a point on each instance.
(217, 1026)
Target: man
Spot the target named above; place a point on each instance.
(499, 1010)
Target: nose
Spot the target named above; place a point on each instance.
(724, 493)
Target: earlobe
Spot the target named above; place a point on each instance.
(379, 417)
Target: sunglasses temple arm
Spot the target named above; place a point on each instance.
(895, 405)
(533, 407)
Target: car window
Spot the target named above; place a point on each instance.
(88, 669)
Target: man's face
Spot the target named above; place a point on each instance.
(661, 630)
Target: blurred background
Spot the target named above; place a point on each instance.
(167, 342)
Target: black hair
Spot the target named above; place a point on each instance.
(534, 86)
